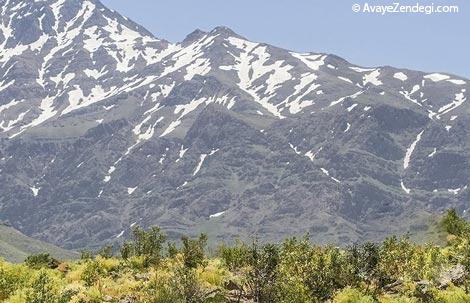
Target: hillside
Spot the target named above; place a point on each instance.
(15, 247)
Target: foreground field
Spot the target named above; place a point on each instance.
(150, 269)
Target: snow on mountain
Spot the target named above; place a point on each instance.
(176, 133)
(84, 54)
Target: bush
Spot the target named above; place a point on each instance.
(10, 281)
(41, 261)
(396, 299)
(327, 272)
(235, 257)
(453, 224)
(42, 290)
(452, 295)
(351, 295)
(86, 255)
(92, 272)
(172, 250)
(362, 264)
(396, 260)
(293, 290)
(178, 285)
(106, 251)
(191, 289)
(396, 271)
(262, 276)
(147, 244)
(127, 250)
(193, 251)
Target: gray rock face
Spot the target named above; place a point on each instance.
(103, 126)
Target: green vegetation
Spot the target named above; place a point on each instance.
(16, 247)
(148, 269)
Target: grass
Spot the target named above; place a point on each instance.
(16, 247)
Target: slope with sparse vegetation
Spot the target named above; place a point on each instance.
(15, 247)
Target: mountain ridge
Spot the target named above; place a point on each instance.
(108, 126)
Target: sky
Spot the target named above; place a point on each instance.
(426, 42)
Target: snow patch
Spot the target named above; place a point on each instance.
(351, 107)
(458, 101)
(201, 161)
(130, 190)
(35, 190)
(436, 77)
(454, 191)
(405, 189)
(345, 79)
(372, 77)
(409, 151)
(305, 87)
(217, 215)
(353, 96)
(312, 61)
(181, 153)
(408, 94)
(360, 69)
(457, 81)
(310, 155)
(400, 76)
(433, 153)
(326, 172)
(199, 165)
(251, 64)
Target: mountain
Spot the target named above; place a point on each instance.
(104, 126)
(15, 247)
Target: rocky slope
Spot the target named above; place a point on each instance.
(103, 126)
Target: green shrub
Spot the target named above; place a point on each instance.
(179, 286)
(362, 264)
(452, 295)
(86, 255)
(193, 251)
(326, 273)
(396, 271)
(92, 272)
(453, 223)
(235, 257)
(42, 290)
(10, 281)
(41, 261)
(172, 250)
(397, 256)
(147, 244)
(106, 251)
(351, 295)
(262, 276)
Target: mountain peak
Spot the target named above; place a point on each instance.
(223, 30)
(194, 35)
